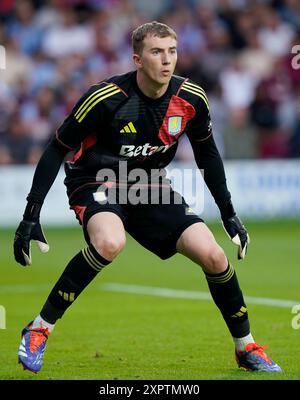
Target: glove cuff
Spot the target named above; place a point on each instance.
(227, 210)
(32, 211)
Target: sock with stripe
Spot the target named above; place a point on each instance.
(80, 271)
(228, 297)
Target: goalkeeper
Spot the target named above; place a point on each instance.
(137, 118)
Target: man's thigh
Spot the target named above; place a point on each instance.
(195, 242)
(95, 217)
(106, 227)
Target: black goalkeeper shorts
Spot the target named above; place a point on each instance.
(157, 227)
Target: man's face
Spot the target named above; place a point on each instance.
(158, 59)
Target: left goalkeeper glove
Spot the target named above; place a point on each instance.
(29, 229)
(236, 230)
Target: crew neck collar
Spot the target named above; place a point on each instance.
(147, 98)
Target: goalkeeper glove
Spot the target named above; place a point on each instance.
(29, 229)
(236, 230)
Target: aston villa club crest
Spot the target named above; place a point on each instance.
(174, 125)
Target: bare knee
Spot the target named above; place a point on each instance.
(107, 234)
(109, 247)
(198, 243)
(214, 261)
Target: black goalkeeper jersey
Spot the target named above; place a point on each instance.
(114, 121)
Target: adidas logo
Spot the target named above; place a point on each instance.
(67, 296)
(240, 313)
(129, 128)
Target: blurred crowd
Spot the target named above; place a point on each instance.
(244, 53)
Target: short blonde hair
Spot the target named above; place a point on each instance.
(150, 28)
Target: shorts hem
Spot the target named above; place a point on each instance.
(176, 236)
(89, 215)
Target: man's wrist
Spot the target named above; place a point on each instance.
(32, 211)
(227, 210)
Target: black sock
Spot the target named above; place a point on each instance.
(80, 271)
(227, 295)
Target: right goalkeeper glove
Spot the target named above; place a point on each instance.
(238, 235)
(29, 229)
(235, 229)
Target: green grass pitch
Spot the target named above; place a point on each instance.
(117, 335)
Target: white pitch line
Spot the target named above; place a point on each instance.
(150, 291)
(184, 294)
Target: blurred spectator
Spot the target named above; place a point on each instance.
(289, 10)
(239, 51)
(274, 35)
(43, 72)
(270, 93)
(23, 29)
(238, 87)
(68, 37)
(219, 117)
(239, 22)
(151, 9)
(16, 146)
(69, 95)
(18, 65)
(187, 65)
(40, 116)
(191, 37)
(119, 21)
(254, 59)
(48, 15)
(217, 57)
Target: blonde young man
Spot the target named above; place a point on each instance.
(135, 121)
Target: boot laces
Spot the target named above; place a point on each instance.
(37, 337)
(258, 350)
